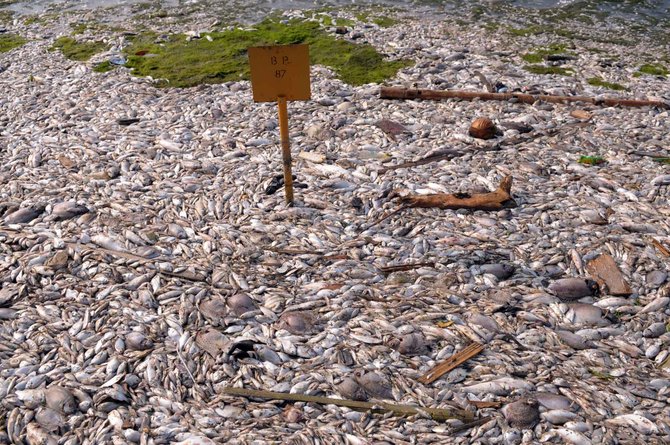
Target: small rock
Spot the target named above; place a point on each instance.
(341, 30)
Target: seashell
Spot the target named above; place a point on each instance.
(573, 288)
(522, 413)
(350, 389)
(240, 304)
(60, 399)
(137, 341)
(482, 128)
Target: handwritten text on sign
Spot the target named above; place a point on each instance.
(280, 71)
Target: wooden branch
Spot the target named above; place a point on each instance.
(377, 407)
(497, 200)
(452, 362)
(409, 93)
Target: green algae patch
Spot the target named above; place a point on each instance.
(543, 69)
(75, 50)
(10, 41)
(103, 67)
(220, 57)
(540, 54)
(598, 82)
(653, 69)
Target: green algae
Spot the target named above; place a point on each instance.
(75, 50)
(540, 54)
(103, 67)
(220, 57)
(543, 69)
(598, 82)
(652, 69)
(10, 41)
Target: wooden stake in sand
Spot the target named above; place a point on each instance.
(409, 93)
(280, 74)
(377, 407)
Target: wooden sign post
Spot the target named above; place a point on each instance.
(281, 73)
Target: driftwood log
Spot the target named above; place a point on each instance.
(410, 93)
(499, 199)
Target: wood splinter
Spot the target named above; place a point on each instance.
(496, 200)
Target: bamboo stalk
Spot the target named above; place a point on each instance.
(452, 362)
(410, 93)
(377, 407)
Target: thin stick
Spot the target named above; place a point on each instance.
(387, 216)
(403, 267)
(377, 407)
(435, 157)
(452, 362)
(408, 93)
(661, 248)
(286, 149)
(467, 426)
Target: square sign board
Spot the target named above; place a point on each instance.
(280, 71)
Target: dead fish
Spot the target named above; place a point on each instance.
(350, 389)
(558, 416)
(638, 423)
(376, 385)
(523, 413)
(412, 344)
(500, 271)
(573, 288)
(573, 437)
(214, 310)
(391, 128)
(553, 401)
(25, 214)
(240, 304)
(586, 314)
(137, 341)
(575, 341)
(296, 322)
(211, 341)
(67, 210)
(60, 399)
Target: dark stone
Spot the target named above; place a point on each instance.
(125, 121)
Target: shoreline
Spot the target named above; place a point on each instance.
(148, 261)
